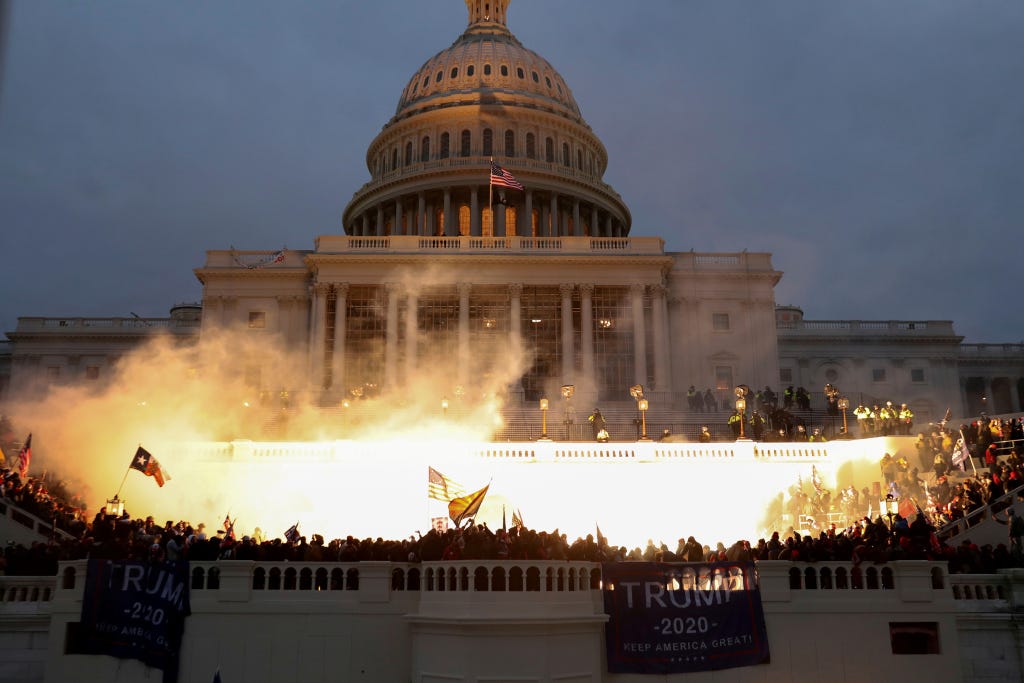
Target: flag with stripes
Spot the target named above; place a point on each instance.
(517, 519)
(501, 177)
(466, 507)
(440, 487)
(25, 457)
(292, 534)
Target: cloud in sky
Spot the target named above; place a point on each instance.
(873, 147)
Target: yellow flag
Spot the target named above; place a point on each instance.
(466, 507)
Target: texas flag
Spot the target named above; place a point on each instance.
(144, 462)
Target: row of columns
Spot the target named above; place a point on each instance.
(373, 222)
(321, 293)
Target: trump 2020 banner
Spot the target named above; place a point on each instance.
(682, 617)
(134, 609)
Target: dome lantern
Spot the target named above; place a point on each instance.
(487, 11)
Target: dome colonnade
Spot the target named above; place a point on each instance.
(486, 97)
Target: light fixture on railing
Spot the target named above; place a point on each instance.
(544, 420)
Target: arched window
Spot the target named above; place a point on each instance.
(464, 220)
(487, 222)
(467, 139)
(445, 144)
(548, 81)
(438, 78)
(425, 150)
(565, 154)
(579, 159)
(536, 78)
(549, 150)
(504, 69)
(487, 69)
(455, 72)
(531, 146)
(510, 220)
(394, 159)
(488, 142)
(408, 153)
(519, 72)
(470, 70)
(510, 143)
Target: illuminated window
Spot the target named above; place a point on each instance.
(257, 320)
(464, 220)
(723, 377)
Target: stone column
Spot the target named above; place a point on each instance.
(449, 223)
(364, 224)
(498, 219)
(543, 230)
(321, 291)
(421, 215)
(463, 289)
(595, 227)
(587, 335)
(577, 226)
(338, 357)
(526, 222)
(391, 338)
(380, 220)
(639, 335)
(474, 212)
(608, 229)
(397, 229)
(411, 334)
(662, 369)
(515, 316)
(568, 345)
(284, 318)
(555, 227)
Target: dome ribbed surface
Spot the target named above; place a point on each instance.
(459, 75)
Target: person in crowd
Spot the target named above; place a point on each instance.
(597, 425)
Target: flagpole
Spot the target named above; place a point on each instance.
(125, 478)
(490, 192)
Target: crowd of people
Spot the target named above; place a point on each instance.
(944, 486)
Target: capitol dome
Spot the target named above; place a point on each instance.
(486, 98)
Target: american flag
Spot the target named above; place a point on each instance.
(25, 457)
(292, 534)
(440, 487)
(500, 176)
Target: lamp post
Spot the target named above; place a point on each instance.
(642, 405)
(843, 404)
(891, 507)
(544, 420)
(568, 391)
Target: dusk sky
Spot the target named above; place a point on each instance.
(874, 147)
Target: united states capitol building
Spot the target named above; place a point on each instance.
(433, 264)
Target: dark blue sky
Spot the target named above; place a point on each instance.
(875, 148)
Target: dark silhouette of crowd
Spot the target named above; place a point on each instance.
(940, 497)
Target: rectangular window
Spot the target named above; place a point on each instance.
(723, 377)
(917, 375)
(786, 375)
(878, 375)
(720, 322)
(914, 637)
(92, 372)
(257, 320)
